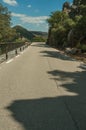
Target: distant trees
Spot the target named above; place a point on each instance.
(68, 27)
(39, 39)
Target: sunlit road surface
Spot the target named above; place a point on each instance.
(42, 89)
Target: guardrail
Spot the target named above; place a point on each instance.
(5, 48)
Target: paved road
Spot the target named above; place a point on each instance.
(42, 89)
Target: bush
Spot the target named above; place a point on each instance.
(79, 46)
(83, 48)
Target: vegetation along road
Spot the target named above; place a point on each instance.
(42, 89)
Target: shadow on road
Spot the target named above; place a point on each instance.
(53, 54)
(56, 54)
(40, 45)
(57, 113)
(74, 82)
(41, 114)
(65, 112)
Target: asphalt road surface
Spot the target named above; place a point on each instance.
(42, 89)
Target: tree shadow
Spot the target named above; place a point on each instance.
(40, 45)
(65, 112)
(42, 114)
(73, 82)
(56, 54)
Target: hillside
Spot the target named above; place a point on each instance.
(39, 33)
(24, 32)
(29, 34)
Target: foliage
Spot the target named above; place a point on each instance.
(38, 39)
(17, 33)
(81, 27)
(60, 24)
(83, 48)
(5, 18)
(71, 20)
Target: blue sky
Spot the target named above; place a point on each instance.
(32, 14)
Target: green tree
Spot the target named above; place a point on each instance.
(79, 2)
(60, 24)
(6, 32)
(68, 27)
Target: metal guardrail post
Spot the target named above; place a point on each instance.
(20, 49)
(16, 51)
(6, 52)
(6, 56)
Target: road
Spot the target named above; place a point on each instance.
(42, 89)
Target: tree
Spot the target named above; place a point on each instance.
(79, 2)
(60, 24)
(5, 30)
(68, 27)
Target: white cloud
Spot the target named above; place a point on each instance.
(29, 6)
(29, 19)
(10, 2)
(17, 15)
